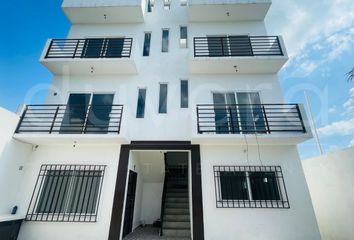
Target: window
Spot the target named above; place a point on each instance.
(150, 5)
(167, 4)
(147, 41)
(245, 117)
(163, 98)
(165, 39)
(89, 113)
(183, 3)
(184, 93)
(140, 109)
(66, 193)
(250, 187)
(183, 37)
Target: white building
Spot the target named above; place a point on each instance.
(331, 183)
(140, 87)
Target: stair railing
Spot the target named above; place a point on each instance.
(163, 195)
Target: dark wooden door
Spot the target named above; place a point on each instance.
(129, 204)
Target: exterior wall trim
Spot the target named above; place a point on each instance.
(119, 194)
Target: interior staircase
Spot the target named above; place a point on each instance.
(176, 218)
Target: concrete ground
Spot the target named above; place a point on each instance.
(148, 233)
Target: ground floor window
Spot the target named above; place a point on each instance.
(66, 193)
(250, 187)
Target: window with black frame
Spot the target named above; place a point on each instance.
(66, 193)
(250, 187)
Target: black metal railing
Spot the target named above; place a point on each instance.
(71, 119)
(163, 198)
(249, 118)
(237, 46)
(90, 48)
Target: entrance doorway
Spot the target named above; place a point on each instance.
(189, 191)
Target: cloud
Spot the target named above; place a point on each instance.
(349, 104)
(343, 128)
(351, 144)
(324, 27)
(332, 109)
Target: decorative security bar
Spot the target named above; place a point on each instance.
(249, 118)
(250, 187)
(71, 119)
(90, 48)
(237, 46)
(66, 193)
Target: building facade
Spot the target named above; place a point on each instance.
(166, 113)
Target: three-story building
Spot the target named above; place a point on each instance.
(166, 113)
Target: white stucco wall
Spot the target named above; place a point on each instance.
(296, 223)
(67, 154)
(331, 182)
(13, 158)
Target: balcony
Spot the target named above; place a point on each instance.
(98, 11)
(90, 56)
(227, 10)
(238, 54)
(46, 124)
(260, 123)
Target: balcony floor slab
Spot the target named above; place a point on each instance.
(70, 139)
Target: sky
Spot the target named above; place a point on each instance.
(319, 36)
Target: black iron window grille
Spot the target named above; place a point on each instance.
(66, 193)
(250, 187)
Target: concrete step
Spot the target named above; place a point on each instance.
(177, 200)
(178, 183)
(176, 205)
(177, 190)
(177, 194)
(176, 211)
(179, 217)
(177, 225)
(172, 232)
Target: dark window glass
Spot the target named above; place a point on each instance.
(66, 193)
(75, 113)
(165, 39)
(150, 5)
(140, 110)
(163, 98)
(114, 47)
(233, 186)
(184, 94)
(183, 37)
(264, 186)
(99, 114)
(147, 41)
(92, 48)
